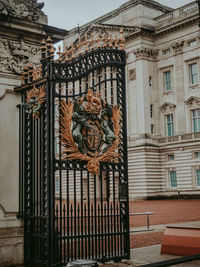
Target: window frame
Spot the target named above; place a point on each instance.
(195, 118)
(166, 51)
(171, 123)
(190, 73)
(170, 179)
(57, 185)
(197, 178)
(193, 42)
(166, 82)
(169, 155)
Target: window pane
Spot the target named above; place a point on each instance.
(171, 157)
(167, 79)
(57, 185)
(193, 73)
(197, 155)
(56, 145)
(173, 180)
(198, 177)
(196, 120)
(170, 125)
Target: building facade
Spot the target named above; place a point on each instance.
(163, 94)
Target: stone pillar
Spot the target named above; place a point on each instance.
(143, 64)
(179, 91)
(23, 26)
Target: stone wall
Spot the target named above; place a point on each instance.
(23, 26)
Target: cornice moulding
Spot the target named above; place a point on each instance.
(167, 106)
(191, 100)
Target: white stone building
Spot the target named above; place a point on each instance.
(163, 94)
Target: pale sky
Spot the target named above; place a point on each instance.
(67, 14)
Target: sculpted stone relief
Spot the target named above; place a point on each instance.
(28, 9)
(14, 55)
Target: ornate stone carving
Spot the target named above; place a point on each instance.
(27, 9)
(192, 101)
(144, 53)
(178, 47)
(132, 74)
(14, 55)
(167, 107)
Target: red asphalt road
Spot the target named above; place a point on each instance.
(165, 212)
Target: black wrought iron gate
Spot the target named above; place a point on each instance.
(73, 155)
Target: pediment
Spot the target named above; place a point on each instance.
(192, 100)
(167, 106)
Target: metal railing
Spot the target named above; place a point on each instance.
(143, 213)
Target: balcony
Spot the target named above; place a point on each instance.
(178, 14)
(179, 138)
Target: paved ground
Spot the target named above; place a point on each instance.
(146, 255)
(165, 212)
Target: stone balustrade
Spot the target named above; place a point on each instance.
(177, 14)
(179, 138)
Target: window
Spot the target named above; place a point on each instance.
(56, 146)
(196, 120)
(192, 43)
(57, 185)
(152, 128)
(171, 157)
(166, 52)
(151, 111)
(169, 125)
(198, 177)
(173, 179)
(197, 155)
(150, 81)
(193, 73)
(167, 80)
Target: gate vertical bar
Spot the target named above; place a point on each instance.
(51, 166)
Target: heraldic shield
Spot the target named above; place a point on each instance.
(90, 130)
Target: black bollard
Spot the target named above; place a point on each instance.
(82, 263)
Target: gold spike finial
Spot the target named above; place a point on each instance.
(92, 41)
(98, 40)
(79, 45)
(85, 43)
(66, 53)
(59, 53)
(72, 50)
(104, 39)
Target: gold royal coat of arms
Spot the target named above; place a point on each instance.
(90, 130)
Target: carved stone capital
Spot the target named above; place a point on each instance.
(132, 74)
(178, 47)
(14, 55)
(25, 9)
(144, 53)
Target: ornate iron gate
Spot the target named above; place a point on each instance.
(73, 154)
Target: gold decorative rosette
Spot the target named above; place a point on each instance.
(34, 100)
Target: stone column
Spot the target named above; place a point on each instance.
(179, 92)
(21, 32)
(143, 64)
